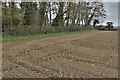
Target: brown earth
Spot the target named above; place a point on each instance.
(88, 54)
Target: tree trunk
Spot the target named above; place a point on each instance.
(59, 18)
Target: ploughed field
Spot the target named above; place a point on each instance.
(88, 54)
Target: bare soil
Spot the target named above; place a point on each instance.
(88, 55)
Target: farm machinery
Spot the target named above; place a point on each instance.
(108, 27)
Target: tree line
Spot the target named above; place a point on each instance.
(22, 18)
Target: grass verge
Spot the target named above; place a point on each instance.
(38, 36)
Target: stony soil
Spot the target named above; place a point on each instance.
(88, 54)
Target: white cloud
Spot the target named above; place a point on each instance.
(110, 0)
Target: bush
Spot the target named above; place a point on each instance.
(26, 30)
(49, 29)
(75, 28)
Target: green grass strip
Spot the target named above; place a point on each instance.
(38, 36)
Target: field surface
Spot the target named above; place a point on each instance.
(87, 54)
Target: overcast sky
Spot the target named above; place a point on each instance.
(112, 12)
(111, 0)
(111, 7)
